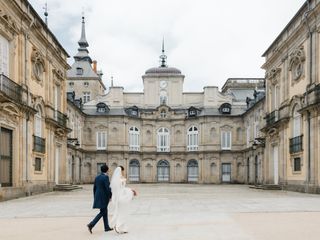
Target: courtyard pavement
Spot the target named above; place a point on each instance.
(168, 212)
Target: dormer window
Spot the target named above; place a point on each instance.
(225, 108)
(133, 111)
(79, 71)
(192, 112)
(102, 108)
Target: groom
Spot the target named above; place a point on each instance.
(102, 195)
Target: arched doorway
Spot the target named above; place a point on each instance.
(193, 171)
(134, 171)
(163, 170)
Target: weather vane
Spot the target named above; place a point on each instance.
(46, 13)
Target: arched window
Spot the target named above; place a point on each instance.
(134, 141)
(163, 144)
(134, 171)
(193, 171)
(192, 136)
(296, 130)
(163, 168)
(38, 122)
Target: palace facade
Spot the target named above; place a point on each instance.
(57, 125)
(33, 131)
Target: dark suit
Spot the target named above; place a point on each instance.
(102, 194)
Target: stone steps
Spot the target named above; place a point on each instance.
(66, 187)
(266, 187)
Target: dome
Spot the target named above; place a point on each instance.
(163, 70)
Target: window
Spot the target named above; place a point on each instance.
(296, 123)
(101, 140)
(163, 97)
(248, 134)
(134, 144)
(134, 171)
(37, 164)
(86, 84)
(192, 112)
(192, 137)
(163, 144)
(79, 71)
(86, 97)
(38, 123)
(71, 84)
(226, 140)
(4, 56)
(297, 164)
(163, 114)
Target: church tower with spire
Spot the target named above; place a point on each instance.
(83, 78)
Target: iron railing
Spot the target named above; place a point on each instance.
(296, 144)
(10, 88)
(272, 117)
(60, 118)
(39, 144)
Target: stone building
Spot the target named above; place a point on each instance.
(292, 103)
(33, 129)
(161, 134)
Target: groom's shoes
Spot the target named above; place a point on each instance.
(108, 229)
(89, 228)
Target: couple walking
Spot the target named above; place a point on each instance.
(119, 195)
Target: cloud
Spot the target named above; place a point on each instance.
(208, 40)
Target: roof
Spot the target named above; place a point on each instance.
(87, 71)
(163, 70)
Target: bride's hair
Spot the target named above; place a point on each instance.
(122, 168)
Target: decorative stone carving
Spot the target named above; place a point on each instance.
(273, 75)
(296, 62)
(38, 64)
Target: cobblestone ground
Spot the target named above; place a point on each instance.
(174, 212)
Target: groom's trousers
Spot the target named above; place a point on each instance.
(104, 214)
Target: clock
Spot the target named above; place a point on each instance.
(163, 84)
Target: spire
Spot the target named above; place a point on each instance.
(83, 53)
(83, 41)
(163, 57)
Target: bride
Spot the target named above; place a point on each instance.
(121, 197)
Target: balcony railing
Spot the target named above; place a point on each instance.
(296, 144)
(272, 117)
(10, 88)
(60, 118)
(39, 144)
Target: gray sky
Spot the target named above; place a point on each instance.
(208, 40)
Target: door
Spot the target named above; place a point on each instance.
(163, 171)
(5, 157)
(57, 164)
(256, 170)
(275, 165)
(226, 172)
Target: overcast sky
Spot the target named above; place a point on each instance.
(208, 40)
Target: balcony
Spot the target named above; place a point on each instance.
(10, 88)
(296, 144)
(39, 144)
(272, 117)
(60, 118)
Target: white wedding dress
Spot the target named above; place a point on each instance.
(120, 201)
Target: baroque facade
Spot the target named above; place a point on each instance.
(292, 103)
(161, 134)
(33, 130)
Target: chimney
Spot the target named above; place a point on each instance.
(94, 63)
